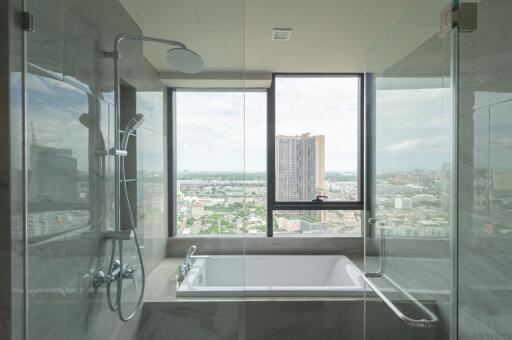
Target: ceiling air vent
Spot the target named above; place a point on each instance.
(281, 33)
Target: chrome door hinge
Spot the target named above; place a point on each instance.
(28, 21)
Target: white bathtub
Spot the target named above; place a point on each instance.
(271, 275)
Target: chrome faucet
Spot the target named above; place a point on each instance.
(187, 264)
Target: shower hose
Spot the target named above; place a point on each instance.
(117, 305)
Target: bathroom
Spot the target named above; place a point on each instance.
(256, 169)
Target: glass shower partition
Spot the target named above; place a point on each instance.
(485, 158)
(411, 134)
(71, 175)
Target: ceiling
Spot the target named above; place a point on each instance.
(234, 36)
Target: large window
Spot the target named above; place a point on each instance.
(315, 185)
(286, 160)
(220, 138)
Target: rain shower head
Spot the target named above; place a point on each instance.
(184, 60)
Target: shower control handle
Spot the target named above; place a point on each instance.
(115, 274)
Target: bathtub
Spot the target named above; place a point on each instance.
(271, 275)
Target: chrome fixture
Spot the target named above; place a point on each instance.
(382, 252)
(132, 125)
(117, 273)
(183, 60)
(188, 257)
(380, 273)
(417, 323)
(187, 264)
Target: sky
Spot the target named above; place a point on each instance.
(413, 129)
(226, 131)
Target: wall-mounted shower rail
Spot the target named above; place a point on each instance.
(417, 323)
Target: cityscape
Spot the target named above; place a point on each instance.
(409, 203)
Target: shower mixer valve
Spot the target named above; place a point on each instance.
(126, 273)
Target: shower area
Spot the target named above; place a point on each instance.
(108, 104)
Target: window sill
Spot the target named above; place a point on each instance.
(262, 245)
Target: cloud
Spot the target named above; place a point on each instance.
(403, 146)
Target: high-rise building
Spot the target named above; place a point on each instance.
(445, 186)
(300, 167)
(53, 174)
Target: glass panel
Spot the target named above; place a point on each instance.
(221, 160)
(411, 135)
(317, 137)
(318, 222)
(71, 182)
(485, 158)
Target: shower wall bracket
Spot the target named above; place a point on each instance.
(118, 152)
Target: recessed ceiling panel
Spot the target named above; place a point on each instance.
(236, 35)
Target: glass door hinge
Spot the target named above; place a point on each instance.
(28, 21)
(464, 17)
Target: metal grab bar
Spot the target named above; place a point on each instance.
(382, 253)
(417, 323)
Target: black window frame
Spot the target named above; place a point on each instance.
(272, 204)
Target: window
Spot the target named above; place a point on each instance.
(220, 162)
(315, 185)
(317, 222)
(286, 160)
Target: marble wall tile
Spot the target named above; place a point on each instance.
(485, 160)
(299, 319)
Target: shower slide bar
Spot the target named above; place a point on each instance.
(417, 323)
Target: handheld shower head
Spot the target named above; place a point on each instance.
(134, 123)
(184, 60)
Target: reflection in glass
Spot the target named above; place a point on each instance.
(413, 162)
(61, 171)
(410, 103)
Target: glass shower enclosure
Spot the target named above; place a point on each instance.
(411, 171)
